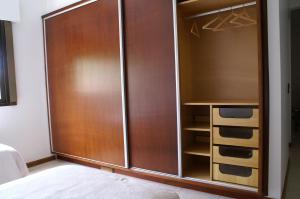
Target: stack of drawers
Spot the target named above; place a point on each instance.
(236, 145)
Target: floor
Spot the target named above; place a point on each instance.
(183, 193)
(293, 182)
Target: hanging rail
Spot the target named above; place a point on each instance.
(222, 10)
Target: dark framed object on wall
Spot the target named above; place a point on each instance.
(4, 95)
(7, 70)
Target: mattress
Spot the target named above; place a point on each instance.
(12, 165)
(80, 182)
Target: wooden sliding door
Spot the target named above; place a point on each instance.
(84, 79)
(151, 85)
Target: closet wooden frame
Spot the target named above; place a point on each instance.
(256, 121)
(219, 188)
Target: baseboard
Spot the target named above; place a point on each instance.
(41, 161)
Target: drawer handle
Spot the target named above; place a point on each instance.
(236, 112)
(236, 152)
(235, 170)
(233, 132)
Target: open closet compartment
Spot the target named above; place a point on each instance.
(219, 61)
(196, 142)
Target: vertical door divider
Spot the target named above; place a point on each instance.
(178, 100)
(123, 83)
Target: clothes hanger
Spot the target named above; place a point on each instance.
(226, 19)
(243, 17)
(237, 19)
(208, 25)
(195, 30)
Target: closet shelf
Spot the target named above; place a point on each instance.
(205, 126)
(201, 149)
(222, 103)
(198, 172)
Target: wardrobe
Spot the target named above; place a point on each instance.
(165, 90)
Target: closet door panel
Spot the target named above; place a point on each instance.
(84, 80)
(151, 85)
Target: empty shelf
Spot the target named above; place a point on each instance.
(205, 126)
(201, 172)
(201, 149)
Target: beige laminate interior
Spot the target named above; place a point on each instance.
(217, 69)
(218, 66)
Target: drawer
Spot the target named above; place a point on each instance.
(235, 156)
(236, 136)
(244, 117)
(235, 174)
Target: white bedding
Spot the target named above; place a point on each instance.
(79, 182)
(12, 165)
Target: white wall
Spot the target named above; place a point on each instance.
(25, 126)
(285, 49)
(52, 5)
(9, 10)
(280, 101)
(275, 100)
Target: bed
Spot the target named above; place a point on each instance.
(12, 165)
(80, 182)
